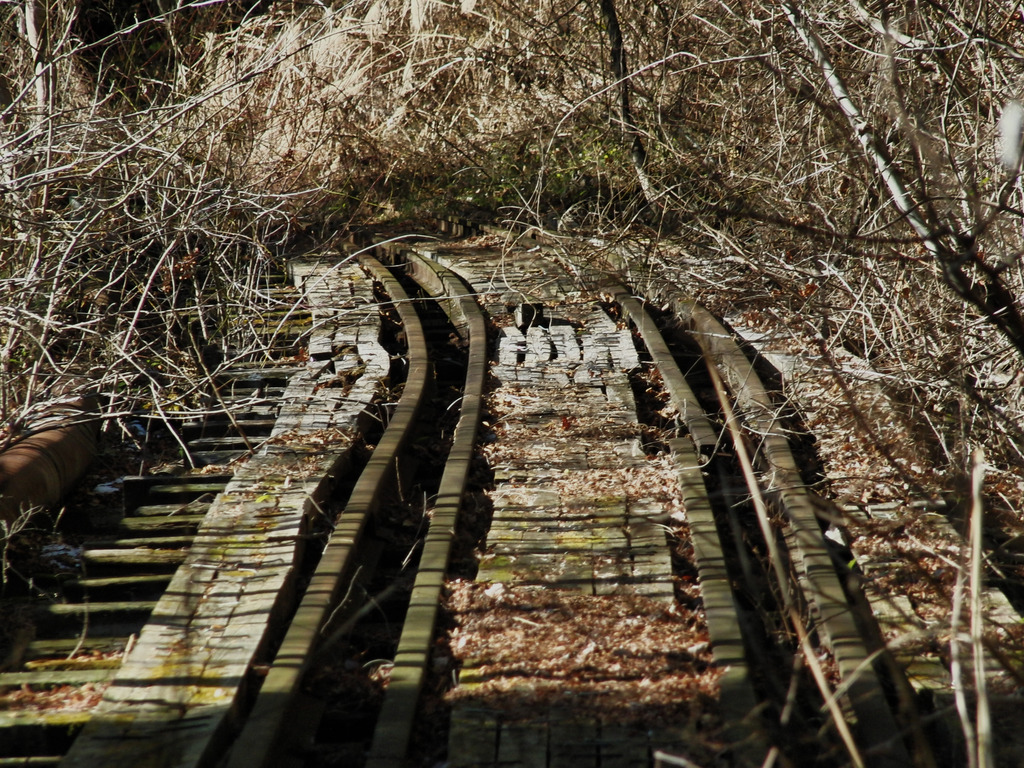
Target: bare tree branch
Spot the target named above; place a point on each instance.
(990, 297)
(620, 70)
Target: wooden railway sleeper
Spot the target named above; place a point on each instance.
(395, 723)
(262, 738)
(879, 733)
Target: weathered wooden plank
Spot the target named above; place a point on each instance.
(134, 556)
(74, 610)
(198, 508)
(620, 747)
(472, 740)
(30, 762)
(204, 633)
(572, 743)
(168, 542)
(55, 677)
(524, 745)
(613, 574)
(167, 524)
(57, 718)
(63, 647)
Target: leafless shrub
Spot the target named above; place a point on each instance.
(154, 169)
(122, 239)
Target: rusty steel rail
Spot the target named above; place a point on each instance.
(398, 713)
(264, 737)
(740, 705)
(878, 731)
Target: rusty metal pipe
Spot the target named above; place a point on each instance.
(38, 471)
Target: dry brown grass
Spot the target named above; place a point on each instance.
(153, 171)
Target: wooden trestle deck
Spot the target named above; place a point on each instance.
(173, 698)
(571, 508)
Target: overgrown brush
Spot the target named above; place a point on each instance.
(152, 166)
(154, 169)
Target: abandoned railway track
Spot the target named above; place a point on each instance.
(486, 507)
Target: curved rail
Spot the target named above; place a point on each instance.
(806, 543)
(397, 717)
(739, 702)
(262, 738)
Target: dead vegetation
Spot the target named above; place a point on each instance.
(154, 169)
(621, 659)
(141, 186)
